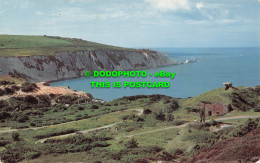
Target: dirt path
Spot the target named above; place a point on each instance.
(82, 132)
(184, 125)
(235, 117)
(140, 112)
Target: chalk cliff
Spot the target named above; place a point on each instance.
(67, 64)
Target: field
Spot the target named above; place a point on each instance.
(18, 45)
(146, 127)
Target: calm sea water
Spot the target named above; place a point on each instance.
(241, 66)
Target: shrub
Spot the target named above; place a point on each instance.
(4, 142)
(16, 136)
(246, 128)
(17, 151)
(212, 122)
(54, 132)
(173, 106)
(2, 92)
(28, 87)
(147, 111)
(4, 115)
(169, 117)
(131, 144)
(115, 104)
(200, 126)
(201, 137)
(6, 82)
(22, 118)
(31, 100)
(16, 88)
(160, 116)
(32, 155)
(128, 117)
(9, 91)
(44, 100)
(177, 151)
(94, 107)
(80, 108)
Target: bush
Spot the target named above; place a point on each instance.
(4, 115)
(169, 117)
(246, 128)
(2, 92)
(9, 91)
(54, 132)
(200, 126)
(15, 136)
(31, 100)
(128, 117)
(80, 108)
(4, 142)
(160, 116)
(18, 151)
(28, 87)
(32, 155)
(131, 144)
(212, 122)
(177, 151)
(22, 118)
(147, 111)
(16, 88)
(6, 82)
(172, 107)
(201, 137)
(94, 107)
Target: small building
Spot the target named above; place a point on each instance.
(214, 108)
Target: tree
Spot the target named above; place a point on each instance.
(131, 144)
(16, 136)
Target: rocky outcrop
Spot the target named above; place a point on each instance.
(64, 65)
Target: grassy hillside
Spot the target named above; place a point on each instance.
(243, 98)
(18, 45)
(160, 125)
(216, 95)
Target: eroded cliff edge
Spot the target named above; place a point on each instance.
(67, 64)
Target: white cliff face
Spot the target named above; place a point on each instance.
(64, 65)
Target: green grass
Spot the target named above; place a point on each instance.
(216, 95)
(9, 41)
(12, 79)
(19, 45)
(168, 139)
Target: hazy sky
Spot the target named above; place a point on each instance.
(138, 23)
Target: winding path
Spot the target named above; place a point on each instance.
(140, 112)
(184, 125)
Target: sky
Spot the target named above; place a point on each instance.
(138, 23)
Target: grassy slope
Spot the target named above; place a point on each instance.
(12, 79)
(18, 45)
(216, 95)
(167, 139)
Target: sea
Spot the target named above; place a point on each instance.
(214, 66)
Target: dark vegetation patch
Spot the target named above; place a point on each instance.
(21, 150)
(246, 99)
(29, 87)
(231, 144)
